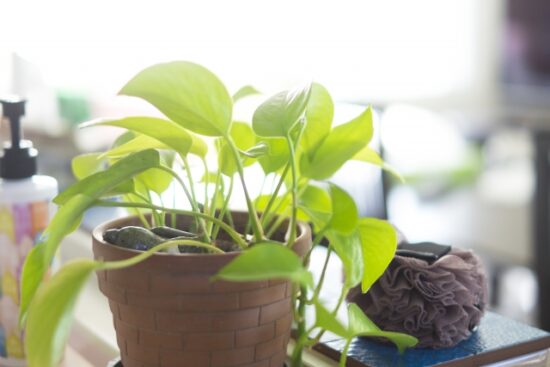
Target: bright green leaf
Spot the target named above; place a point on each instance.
(198, 146)
(327, 321)
(319, 115)
(378, 243)
(66, 220)
(368, 155)
(137, 144)
(279, 206)
(361, 325)
(164, 131)
(257, 150)
(341, 145)
(315, 205)
(51, 313)
(102, 182)
(348, 249)
(186, 93)
(266, 261)
(87, 164)
(358, 321)
(158, 180)
(278, 114)
(345, 215)
(277, 156)
(245, 91)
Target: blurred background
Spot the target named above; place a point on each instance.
(461, 90)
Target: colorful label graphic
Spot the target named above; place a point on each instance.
(20, 225)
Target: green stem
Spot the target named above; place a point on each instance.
(301, 329)
(280, 219)
(322, 278)
(224, 208)
(190, 179)
(138, 212)
(206, 173)
(217, 185)
(256, 227)
(193, 203)
(318, 238)
(344, 355)
(230, 231)
(274, 195)
(294, 215)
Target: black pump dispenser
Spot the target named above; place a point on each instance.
(18, 160)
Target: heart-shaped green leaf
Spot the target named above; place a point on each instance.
(348, 249)
(87, 164)
(102, 182)
(277, 156)
(164, 131)
(278, 114)
(341, 145)
(66, 220)
(245, 91)
(361, 325)
(378, 243)
(345, 215)
(266, 261)
(50, 315)
(368, 155)
(319, 115)
(186, 93)
(327, 321)
(315, 205)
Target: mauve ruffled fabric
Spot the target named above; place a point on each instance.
(439, 303)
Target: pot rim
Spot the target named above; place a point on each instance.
(97, 234)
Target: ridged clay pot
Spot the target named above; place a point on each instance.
(168, 313)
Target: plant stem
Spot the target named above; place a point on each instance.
(322, 278)
(230, 231)
(193, 203)
(294, 215)
(274, 195)
(217, 184)
(344, 355)
(256, 227)
(223, 210)
(206, 173)
(280, 219)
(190, 179)
(301, 329)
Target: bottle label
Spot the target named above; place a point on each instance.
(21, 225)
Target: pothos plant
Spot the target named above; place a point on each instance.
(291, 136)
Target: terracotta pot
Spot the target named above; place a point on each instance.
(168, 313)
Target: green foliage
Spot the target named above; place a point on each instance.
(345, 215)
(279, 114)
(340, 146)
(378, 243)
(277, 155)
(319, 115)
(361, 325)
(277, 262)
(290, 136)
(50, 315)
(244, 92)
(163, 131)
(348, 249)
(187, 94)
(102, 182)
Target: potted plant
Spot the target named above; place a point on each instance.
(207, 285)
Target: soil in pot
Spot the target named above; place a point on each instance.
(168, 313)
